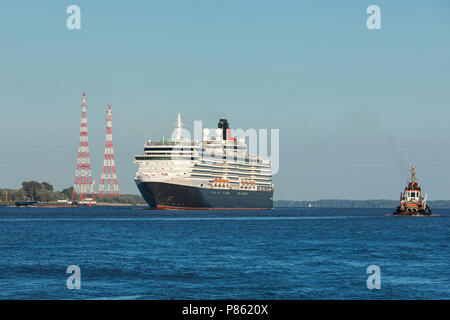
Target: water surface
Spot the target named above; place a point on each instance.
(285, 253)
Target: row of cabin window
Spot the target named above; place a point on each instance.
(165, 158)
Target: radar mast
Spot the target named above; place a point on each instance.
(413, 174)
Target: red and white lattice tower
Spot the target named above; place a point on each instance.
(83, 175)
(108, 182)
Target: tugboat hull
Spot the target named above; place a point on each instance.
(401, 212)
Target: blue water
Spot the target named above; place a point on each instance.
(130, 253)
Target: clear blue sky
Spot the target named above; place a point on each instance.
(354, 107)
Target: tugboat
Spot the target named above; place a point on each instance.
(412, 200)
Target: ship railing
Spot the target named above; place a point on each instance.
(170, 143)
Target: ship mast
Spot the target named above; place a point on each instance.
(413, 174)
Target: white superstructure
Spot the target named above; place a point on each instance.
(221, 162)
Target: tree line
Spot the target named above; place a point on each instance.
(35, 191)
(44, 191)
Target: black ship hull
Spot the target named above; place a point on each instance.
(162, 195)
(402, 212)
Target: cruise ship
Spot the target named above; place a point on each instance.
(215, 173)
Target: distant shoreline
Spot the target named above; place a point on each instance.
(338, 203)
(327, 203)
(67, 205)
(44, 194)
